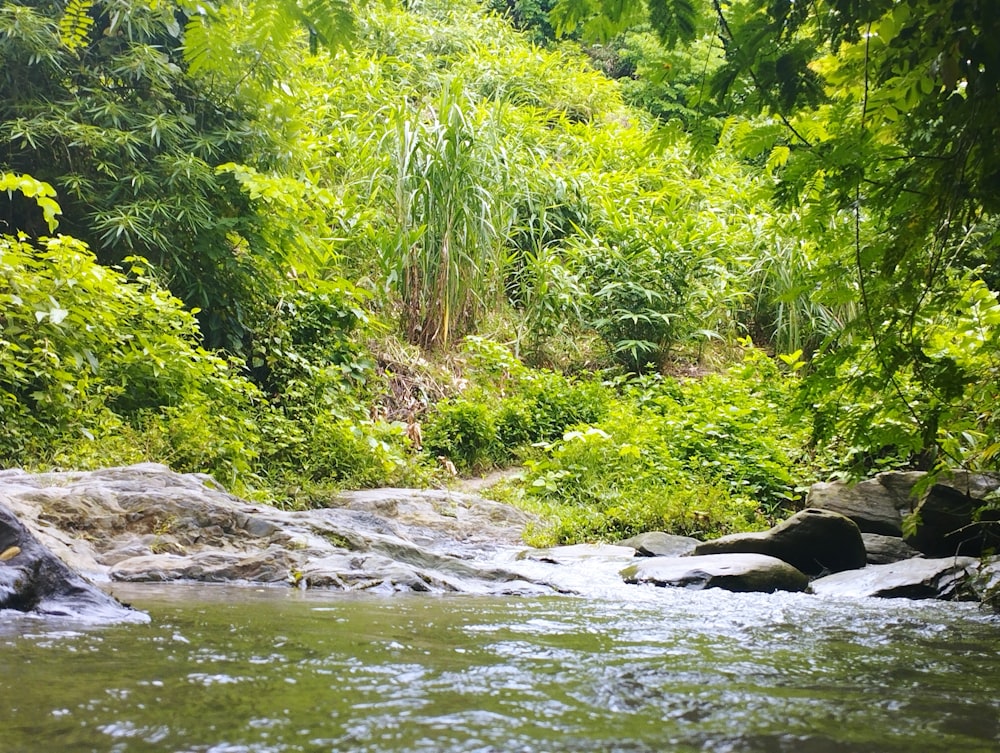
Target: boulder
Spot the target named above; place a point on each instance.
(945, 512)
(813, 541)
(882, 550)
(33, 579)
(659, 544)
(947, 520)
(877, 505)
(916, 578)
(731, 572)
(147, 523)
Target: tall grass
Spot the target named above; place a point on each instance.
(452, 212)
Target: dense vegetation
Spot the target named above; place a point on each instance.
(675, 260)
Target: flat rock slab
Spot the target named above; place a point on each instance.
(577, 553)
(732, 572)
(916, 578)
(659, 544)
(147, 523)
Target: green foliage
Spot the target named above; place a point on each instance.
(510, 408)
(451, 216)
(529, 16)
(790, 309)
(129, 107)
(88, 351)
(702, 457)
(104, 111)
(735, 429)
(598, 485)
(638, 291)
(355, 454)
(874, 121)
(463, 431)
(553, 403)
(880, 119)
(937, 410)
(41, 193)
(673, 20)
(307, 353)
(98, 366)
(668, 81)
(213, 45)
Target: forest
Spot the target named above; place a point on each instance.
(675, 260)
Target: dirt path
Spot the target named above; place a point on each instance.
(476, 484)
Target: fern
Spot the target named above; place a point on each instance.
(331, 21)
(75, 24)
(210, 47)
(674, 20)
(752, 141)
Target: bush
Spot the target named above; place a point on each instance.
(700, 457)
(87, 351)
(639, 292)
(621, 479)
(510, 408)
(463, 431)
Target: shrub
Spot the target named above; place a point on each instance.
(700, 457)
(639, 287)
(463, 431)
(352, 454)
(556, 403)
(621, 479)
(87, 350)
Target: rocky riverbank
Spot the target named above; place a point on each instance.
(145, 523)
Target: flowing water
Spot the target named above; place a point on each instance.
(229, 670)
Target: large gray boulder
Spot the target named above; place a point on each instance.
(813, 541)
(882, 550)
(947, 522)
(659, 544)
(918, 578)
(877, 505)
(731, 572)
(33, 579)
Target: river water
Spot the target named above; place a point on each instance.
(230, 670)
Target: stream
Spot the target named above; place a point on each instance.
(253, 670)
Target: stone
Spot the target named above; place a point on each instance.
(945, 512)
(575, 553)
(876, 505)
(917, 578)
(659, 544)
(33, 579)
(270, 566)
(812, 541)
(731, 572)
(147, 523)
(882, 550)
(948, 524)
